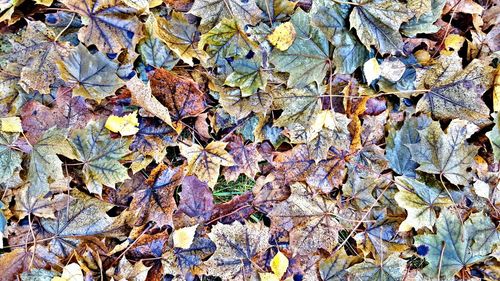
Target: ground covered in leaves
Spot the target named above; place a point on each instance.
(249, 140)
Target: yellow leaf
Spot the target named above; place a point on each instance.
(454, 42)
(423, 57)
(125, 125)
(46, 3)
(266, 276)
(183, 238)
(496, 91)
(71, 272)
(279, 264)
(371, 69)
(283, 36)
(11, 125)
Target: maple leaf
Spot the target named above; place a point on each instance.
(336, 266)
(240, 107)
(36, 51)
(309, 219)
(247, 75)
(196, 199)
(205, 162)
(44, 165)
(156, 53)
(455, 247)
(110, 24)
(93, 75)
(180, 95)
(299, 105)
(84, 216)
(494, 136)
(180, 37)
(246, 157)
(391, 269)
(377, 23)
(419, 200)
(210, 11)
(237, 245)
(328, 174)
(332, 19)
(307, 58)
(29, 202)
(293, 165)
(10, 158)
(397, 151)
(456, 93)
(445, 154)
(100, 156)
(225, 40)
(424, 19)
(156, 202)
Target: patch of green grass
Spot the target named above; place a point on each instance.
(225, 191)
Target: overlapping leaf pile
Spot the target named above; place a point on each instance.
(249, 140)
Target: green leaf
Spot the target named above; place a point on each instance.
(377, 23)
(84, 216)
(332, 19)
(446, 154)
(307, 60)
(109, 24)
(425, 22)
(397, 152)
(391, 269)
(10, 159)
(494, 136)
(456, 93)
(94, 75)
(456, 246)
(247, 75)
(100, 156)
(212, 11)
(419, 201)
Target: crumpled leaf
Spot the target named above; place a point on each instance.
(459, 245)
(237, 245)
(100, 156)
(377, 23)
(456, 93)
(93, 75)
(205, 162)
(419, 200)
(309, 219)
(109, 24)
(307, 58)
(37, 51)
(211, 11)
(446, 154)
